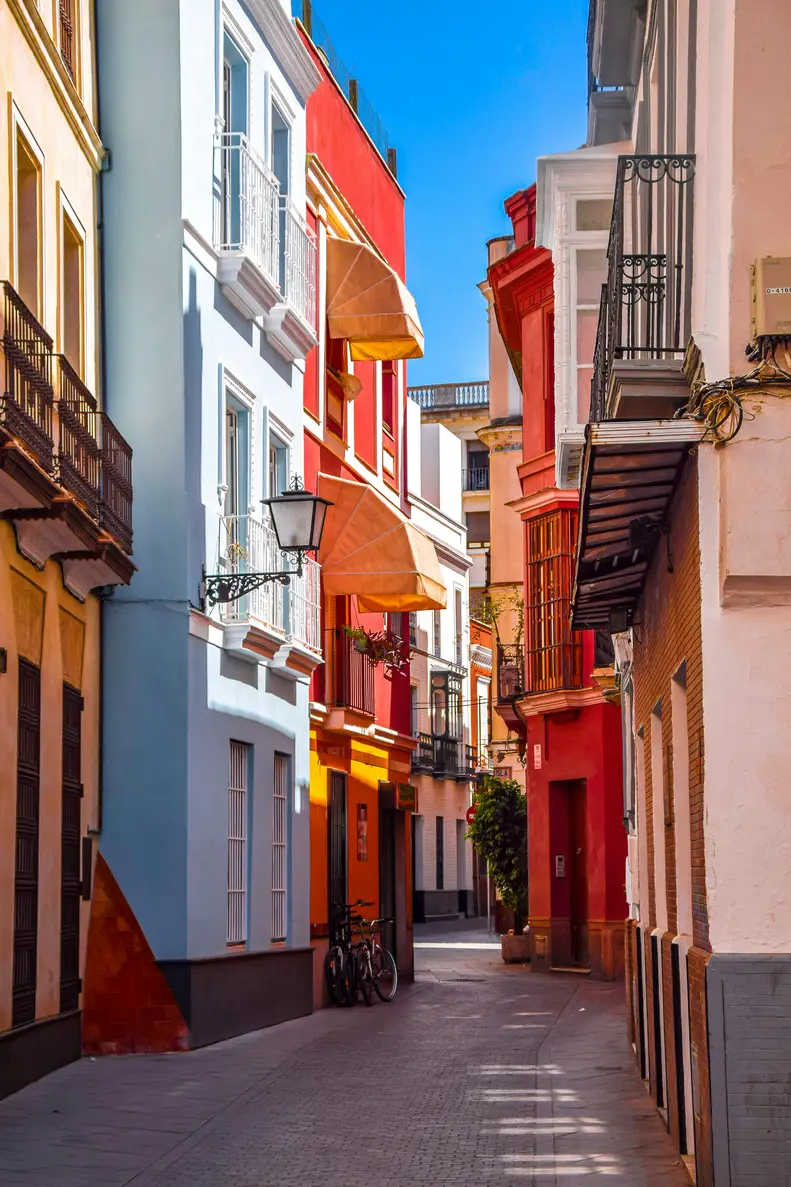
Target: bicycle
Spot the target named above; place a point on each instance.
(339, 962)
(374, 966)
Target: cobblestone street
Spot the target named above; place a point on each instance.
(478, 1074)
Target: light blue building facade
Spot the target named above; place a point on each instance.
(209, 301)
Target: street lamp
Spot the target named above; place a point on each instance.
(298, 520)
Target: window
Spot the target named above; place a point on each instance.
(280, 800)
(235, 105)
(413, 709)
(237, 842)
(72, 294)
(591, 272)
(478, 531)
(412, 628)
(395, 623)
(28, 226)
(554, 653)
(482, 699)
(336, 366)
(477, 476)
(67, 35)
(440, 853)
(458, 627)
(280, 149)
(446, 715)
(237, 488)
(278, 467)
(389, 397)
(594, 214)
(437, 633)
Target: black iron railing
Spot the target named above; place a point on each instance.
(445, 757)
(510, 671)
(116, 509)
(27, 400)
(79, 455)
(476, 478)
(646, 303)
(451, 395)
(354, 676)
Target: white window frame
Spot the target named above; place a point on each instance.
(238, 811)
(231, 386)
(67, 211)
(20, 124)
(281, 798)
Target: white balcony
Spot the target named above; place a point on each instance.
(246, 226)
(290, 324)
(280, 624)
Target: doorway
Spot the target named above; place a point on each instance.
(387, 873)
(568, 831)
(337, 842)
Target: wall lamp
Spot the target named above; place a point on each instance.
(298, 520)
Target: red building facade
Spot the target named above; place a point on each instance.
(577, 845)
(375, 567)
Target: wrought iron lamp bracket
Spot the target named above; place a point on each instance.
(230, 587)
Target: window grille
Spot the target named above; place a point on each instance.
(280, 848)
(554, 652)
(67, 35)
(237, 843)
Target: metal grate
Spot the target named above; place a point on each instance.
(66, 24)
(280, 847)
(237, 843)
(26, 866)
(299, 264)
(70, 851)
(79, 455)
(247, 204)
(354, 676)
(554, 652)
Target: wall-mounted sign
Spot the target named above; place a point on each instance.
(362, 832)
(407, 797)
(537, 756)
(560, 866)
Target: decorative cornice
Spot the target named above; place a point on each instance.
(285, 42)
(38, 37)
(556, 702)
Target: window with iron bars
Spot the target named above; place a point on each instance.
(553, 651)
(66, 23)
(280, 848)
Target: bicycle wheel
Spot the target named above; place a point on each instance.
(333, 974)
(385, 974)
(365, 979)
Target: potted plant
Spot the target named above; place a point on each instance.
(499, 833)
(380, 647)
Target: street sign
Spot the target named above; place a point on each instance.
(470, 814)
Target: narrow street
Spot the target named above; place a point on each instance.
(478, 1074)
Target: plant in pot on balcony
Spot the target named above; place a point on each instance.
(380, 647)
(499, 832)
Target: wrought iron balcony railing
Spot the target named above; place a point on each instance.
(354, 676)
(247, 210)
(445, 757)
(298, 279)
(249, 545)
(79, 431)
(510, 671)
(28, 397)
(92, 460)
(476, 478)
(646, 303)
(451, 395)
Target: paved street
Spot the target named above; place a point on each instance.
(479, 1074)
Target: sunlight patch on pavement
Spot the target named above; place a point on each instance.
(455, 946)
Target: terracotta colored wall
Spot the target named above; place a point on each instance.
(365, 415)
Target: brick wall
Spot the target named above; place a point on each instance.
(667, 635)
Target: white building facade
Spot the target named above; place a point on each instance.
(210, 292)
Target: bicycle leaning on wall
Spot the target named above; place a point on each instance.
(356, 961)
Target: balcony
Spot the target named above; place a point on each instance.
(510, 671)
(444, 757)
(267, 253)
(475, 478)
(354, 676)
(451, 397)
(645, 310)
(277, 623)
(65, 470)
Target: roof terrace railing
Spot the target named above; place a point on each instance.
(451, 395)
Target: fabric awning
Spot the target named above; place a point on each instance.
(630, 470)
(369, 305)
(370, 549)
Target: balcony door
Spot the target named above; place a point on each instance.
(237, 480)
(280, 161)
(235, 108)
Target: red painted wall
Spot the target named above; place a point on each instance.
(355, 166)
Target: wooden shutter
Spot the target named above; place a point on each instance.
(337, 840)
(67, 35)
(26, 862)
(280, 847)
(70, 889)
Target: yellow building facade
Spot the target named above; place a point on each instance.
(65, 526)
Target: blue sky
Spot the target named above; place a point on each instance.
(470, 94)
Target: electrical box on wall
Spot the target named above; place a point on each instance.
(771, 297)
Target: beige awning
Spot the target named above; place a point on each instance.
(370, 549)
(369, 305)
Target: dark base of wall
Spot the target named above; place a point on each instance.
(230, 995)
(34, 1051)
(418, 906)
(749, 1015)
(439, 904)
